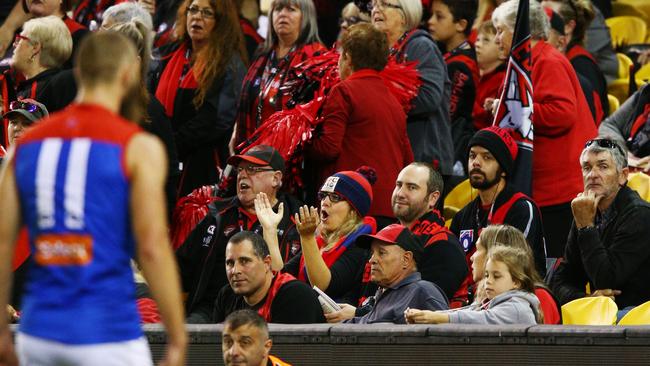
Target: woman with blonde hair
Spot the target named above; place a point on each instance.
(199, 87)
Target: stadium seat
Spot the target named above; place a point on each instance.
(640, 315)
(640, 182)
(599, 310)
(626, 30)
(613, 103)
(620, 88)
(643, 73)
(458, 198)
(624, 63)
(620, 8)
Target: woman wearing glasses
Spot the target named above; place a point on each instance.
(292, 38)
(428, 122)
(40, 51)
(199, 87)
(351, 15)
(562, 121)
(329, 257)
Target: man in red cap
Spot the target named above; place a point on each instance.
(395, 254)
(492, 152)
(201, 256)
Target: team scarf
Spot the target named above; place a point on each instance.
(278, 282)
(178, 74)
(330, 257)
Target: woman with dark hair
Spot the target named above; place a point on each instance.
(199, 87)
(292, 38)
(577, 15)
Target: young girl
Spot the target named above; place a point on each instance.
(509, 290)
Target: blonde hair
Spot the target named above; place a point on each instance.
(350, 225)
(520, 266)
(53, 36)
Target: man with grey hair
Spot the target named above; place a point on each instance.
(561, 118)
(124, 13)
(608, 242)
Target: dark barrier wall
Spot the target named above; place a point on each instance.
(383, 344)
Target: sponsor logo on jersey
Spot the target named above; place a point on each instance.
(64, 249)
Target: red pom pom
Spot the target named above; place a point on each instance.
(369, 173)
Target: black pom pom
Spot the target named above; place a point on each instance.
(369, 173)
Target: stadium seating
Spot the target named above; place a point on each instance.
(614, 104)
(640, 182)
(640, 315)
(598, 310)
(626, 30)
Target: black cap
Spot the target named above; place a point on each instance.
(28, 108)
(395, 234)
(260, 155)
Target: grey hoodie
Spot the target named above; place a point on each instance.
(512, 307)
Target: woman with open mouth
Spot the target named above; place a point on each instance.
(199, 87)
(330, 258)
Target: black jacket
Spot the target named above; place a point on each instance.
(201, 258)
(613, 255)
(55, 88)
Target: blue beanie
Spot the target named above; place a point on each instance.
(354, 187)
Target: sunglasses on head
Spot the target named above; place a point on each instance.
(19, 104)
(334, 197)
(606, 144)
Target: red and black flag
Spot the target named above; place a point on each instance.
(515, 109)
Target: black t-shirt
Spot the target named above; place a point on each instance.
(295, 303)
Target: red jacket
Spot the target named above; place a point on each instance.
(563, 123)
(488, 87)
(363, 124)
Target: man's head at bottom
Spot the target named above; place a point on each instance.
(245, 339)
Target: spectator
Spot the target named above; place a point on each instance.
(393, 267)
(201, 256)
(492, 70)
(417, 189)
(245, 340)
(351, 15)
(249, 12)
(360, 112)
(21, 116)
(40, 51)
(562, 122)
(450, 25)
(291, 39)
(492, 152)
(630, 126)
(428, 120)
(506, 235)
(278, 298)
(83, 236)
(577, 16)
(329, 258)
(131, 20)
(58, 8)
(509, 289)
(558, 39)
(199, 87)
(608, 243)
(599, 44)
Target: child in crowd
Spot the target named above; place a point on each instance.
(492, 70)
(509, 289)
(450, 24)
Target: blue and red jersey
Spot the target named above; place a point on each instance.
(75, 197)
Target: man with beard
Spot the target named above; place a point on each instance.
(201, 256)
(417, 190)
(492, 152)
(278, 298)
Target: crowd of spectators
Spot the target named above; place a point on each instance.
(370, 232)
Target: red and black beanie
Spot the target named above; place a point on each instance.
(500, 143)
(355, 187)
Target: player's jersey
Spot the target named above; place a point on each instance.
(74, 195)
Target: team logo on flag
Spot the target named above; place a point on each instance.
(466, 239)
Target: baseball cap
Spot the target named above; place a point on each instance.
(29, 108)
(260, 155)
(395, 234)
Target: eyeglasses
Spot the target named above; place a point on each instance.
(251, 169)
(334, 197)
(205, 13)
(605, 143)
(381, 4)
(19, 104)
(20, 37)
(350, 21)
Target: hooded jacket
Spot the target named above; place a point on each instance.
(512, 307)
